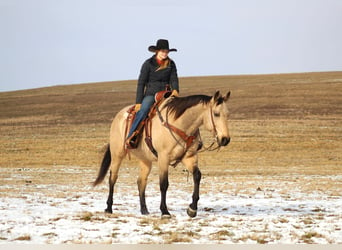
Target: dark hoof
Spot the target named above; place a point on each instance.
(145, 212)
(108, 211)
(192, 213)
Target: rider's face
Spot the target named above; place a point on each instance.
(162, 54)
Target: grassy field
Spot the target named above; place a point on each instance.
(279, 123)
(286, 134)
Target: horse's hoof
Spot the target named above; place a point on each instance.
(108, 211)
(191, 212)
(166, 216)
(145, 212)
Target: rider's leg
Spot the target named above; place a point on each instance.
(142, 113)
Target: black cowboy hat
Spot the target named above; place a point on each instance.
(161, 44)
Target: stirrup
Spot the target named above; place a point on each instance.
(131, 142)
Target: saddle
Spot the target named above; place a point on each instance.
(136, 136)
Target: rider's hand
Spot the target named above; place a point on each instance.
(174, 93)
(137, 107)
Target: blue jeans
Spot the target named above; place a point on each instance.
(142, 113)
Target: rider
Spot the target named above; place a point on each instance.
(157, 73)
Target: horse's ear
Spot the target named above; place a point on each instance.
(217, 95)
(227, 96)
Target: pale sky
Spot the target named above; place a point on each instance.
(54, 42)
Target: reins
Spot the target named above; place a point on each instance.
(174, 131)
(188, 139)
(209, 148)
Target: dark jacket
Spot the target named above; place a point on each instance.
(151, 81)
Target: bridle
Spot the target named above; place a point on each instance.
(215, 135)
(213, 123)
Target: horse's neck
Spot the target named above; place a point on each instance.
(191, 120)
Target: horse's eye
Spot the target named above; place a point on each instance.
(216, 114)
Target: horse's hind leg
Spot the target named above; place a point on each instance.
(145, 169)
(191, 164)
(114, 170)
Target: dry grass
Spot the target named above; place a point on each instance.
(287, 126)
(24, 238)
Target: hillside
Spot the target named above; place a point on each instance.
(259, 96)
(68, 124)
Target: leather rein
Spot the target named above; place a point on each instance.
(188, 139)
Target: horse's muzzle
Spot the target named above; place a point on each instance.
(224, 141)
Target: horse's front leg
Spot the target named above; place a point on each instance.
(192, 210)
(191, 164)
(164, 184)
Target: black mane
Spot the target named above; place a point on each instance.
(178, 105)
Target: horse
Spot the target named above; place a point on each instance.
(175, 137)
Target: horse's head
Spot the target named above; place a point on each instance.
(217, 120)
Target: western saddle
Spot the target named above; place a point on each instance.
(135, 138)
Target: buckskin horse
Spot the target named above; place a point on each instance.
(174, 137)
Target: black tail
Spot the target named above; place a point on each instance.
(104, 167)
